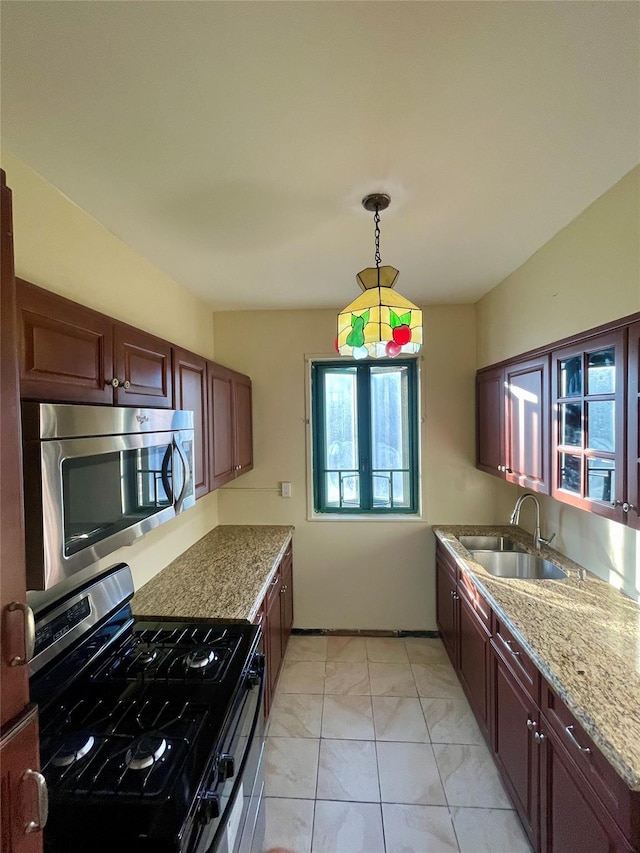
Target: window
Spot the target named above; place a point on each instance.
(365, 437)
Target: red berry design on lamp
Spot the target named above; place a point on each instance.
(392, 349)
(402, 335)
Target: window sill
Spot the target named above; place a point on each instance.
(405, 518)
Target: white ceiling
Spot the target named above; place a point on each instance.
(230, 143)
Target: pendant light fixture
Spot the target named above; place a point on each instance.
(380, 323)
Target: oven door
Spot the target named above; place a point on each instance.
(227, 815)
(86, 497)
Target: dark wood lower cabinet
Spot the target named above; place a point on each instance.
(568, 796)
(23, 810)
(572, 818)
(516, 752)
(276, 623)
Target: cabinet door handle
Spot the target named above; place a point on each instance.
(115, 382)
(283, 590)
(531, 724)
(43, 801)
(29, 633)
(539, 737)
(126, 384)
(584, 749)
(625, 506)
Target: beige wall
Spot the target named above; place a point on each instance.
(355, 574)
(60, 247)
(588, 274)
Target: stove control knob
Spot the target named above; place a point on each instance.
(226, 768)
(210, 807)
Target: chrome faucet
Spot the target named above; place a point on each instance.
(515, 519)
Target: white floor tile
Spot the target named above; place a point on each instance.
(289, 824)
(347, 717)
(351, 649)
(418, 829)
(469, 776)
(386, 650)
(291, 767)
(451, 721)
(436, 681)
(302, 677)
(348, 770)
(391, 679)
(341, 827)
(409, 774)
(400, 719)
(489, 831)
(302, 647)
(425, 650)
(347, 678)
(295, 715)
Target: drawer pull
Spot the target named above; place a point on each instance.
(513, 651)
(584, 749)
(275, 581)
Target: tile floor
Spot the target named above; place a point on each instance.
(372, 748)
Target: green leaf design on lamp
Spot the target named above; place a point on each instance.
(356, 335)
(394, 320)
(405, 319)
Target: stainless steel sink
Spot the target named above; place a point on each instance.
(489, 543)
(512, 564)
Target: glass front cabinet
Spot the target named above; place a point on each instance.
(588, 388)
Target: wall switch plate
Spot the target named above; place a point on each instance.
(285, 490)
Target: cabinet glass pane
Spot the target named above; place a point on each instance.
(571, 376)
(600, 479)
(601, 372)
(570, 478)
(601, 425)
(571, 424)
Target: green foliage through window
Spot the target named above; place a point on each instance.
(365, 437)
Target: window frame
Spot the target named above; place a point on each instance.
(364, 428)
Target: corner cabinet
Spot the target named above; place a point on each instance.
(512, 423)
(231, 434)
(567, 795)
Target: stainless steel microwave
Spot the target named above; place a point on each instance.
(97, 478)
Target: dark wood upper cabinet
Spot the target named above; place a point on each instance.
(588, 395)
(71, 354)
(231, 431)
(490, 421)
(65, 350)
(526, 386)
(633, 428)
(190, 392)
(143, 369)
(512, 423)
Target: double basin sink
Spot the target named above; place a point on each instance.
(502, 557)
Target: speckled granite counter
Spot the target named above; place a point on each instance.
(584, 636)
(224, 575)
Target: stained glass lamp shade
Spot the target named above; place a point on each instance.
(380, 323)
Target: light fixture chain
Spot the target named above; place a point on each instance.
(376, 219)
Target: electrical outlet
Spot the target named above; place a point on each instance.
(285, 490)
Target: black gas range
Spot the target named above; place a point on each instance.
(151, 732)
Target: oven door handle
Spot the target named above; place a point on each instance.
(186, 474)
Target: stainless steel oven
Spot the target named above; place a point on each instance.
(97, 478)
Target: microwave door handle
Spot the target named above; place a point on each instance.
(165, 473)
(185, 475)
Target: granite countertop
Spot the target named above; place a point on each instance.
(223, 576)
(583, 635)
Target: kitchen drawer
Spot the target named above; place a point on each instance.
(446, 561)
(516, 658)
(620, 802)
(477, 603)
